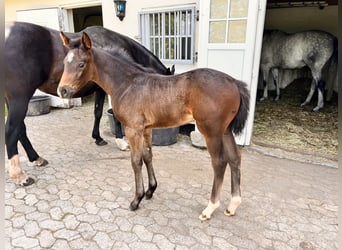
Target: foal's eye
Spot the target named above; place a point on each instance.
(81, 65)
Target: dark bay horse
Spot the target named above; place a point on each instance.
(281, 50)
(34, 60)
(141, 101)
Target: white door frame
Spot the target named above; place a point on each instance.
(250, 51)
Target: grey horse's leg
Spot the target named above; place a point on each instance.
(275, 73)
(265, 74)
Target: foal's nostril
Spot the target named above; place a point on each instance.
(63, 92)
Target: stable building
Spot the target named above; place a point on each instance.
(222, 34)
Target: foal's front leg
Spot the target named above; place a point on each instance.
(135, 139)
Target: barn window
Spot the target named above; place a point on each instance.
(169, 33)
(228, 21)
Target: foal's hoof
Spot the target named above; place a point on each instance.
(29, 181)
(100, 142)
(133, 206)
(228, 213)
(149, 193)
(204, 217)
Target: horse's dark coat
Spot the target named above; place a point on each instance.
(34, 60)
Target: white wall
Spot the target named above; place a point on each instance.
(130, 24)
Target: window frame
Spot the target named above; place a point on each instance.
(188, 27)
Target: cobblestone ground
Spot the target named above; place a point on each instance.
(80, 199)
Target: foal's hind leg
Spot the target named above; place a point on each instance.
(147, 157)
(234, 159)
(219, 161)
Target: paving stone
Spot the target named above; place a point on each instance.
(70, 221)
(142, 233)
(25, 242)
(46, 239)
(31, 229)
(103, 240)
(81, 199)
(162, 242)
(86, 231)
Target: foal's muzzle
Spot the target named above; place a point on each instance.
(65, 92)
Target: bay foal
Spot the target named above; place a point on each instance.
(141, 101)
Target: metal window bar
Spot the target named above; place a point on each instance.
(168, 45)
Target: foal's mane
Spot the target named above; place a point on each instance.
(120, 55)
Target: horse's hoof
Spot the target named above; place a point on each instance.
(122, 144)
(149, 193)
(133, 206)
(316, 109)
(228, 213)
(203, 217)
(262, 99)
(100, 142)
(29, 181)
(41, 162)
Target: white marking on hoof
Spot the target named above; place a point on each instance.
(15, 171)
(233, 205)
(122, 144)
(206, 214)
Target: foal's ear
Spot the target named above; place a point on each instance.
(86, 41)
(66, 40)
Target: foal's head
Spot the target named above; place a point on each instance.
(78, 66)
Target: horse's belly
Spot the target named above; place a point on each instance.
(292, 63)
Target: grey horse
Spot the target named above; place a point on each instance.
(281, 50)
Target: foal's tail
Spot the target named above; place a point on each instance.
(240, 119)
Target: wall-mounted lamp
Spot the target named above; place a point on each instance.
(120, 8)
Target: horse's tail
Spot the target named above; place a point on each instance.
(240, 119)
(334, 55)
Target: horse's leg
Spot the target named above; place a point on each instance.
(310, 94)
(136, 139)
(275, 73)
(120, 142)
(98, 109)
(147, 157)
(234, 160)
(265, 72)
(219, 161)
(318, 83)
(16, 115)
(320, 101)
(31, 153)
